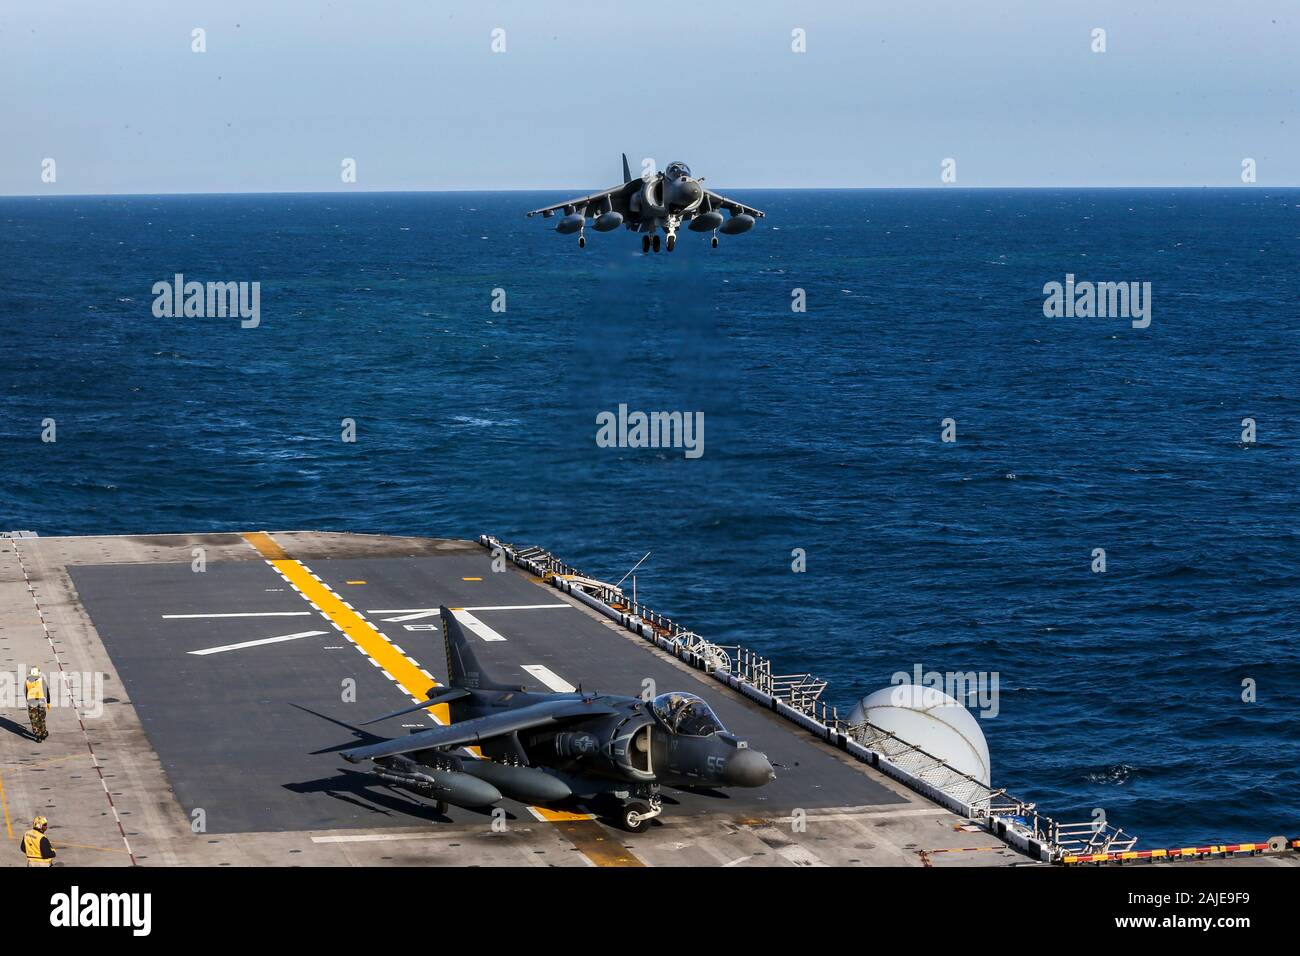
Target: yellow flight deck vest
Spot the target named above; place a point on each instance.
(32, 845)
(36, 689)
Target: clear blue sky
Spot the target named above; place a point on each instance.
(413, 92)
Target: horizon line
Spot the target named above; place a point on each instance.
(400, 190)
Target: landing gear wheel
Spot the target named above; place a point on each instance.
(672, 242)
(582, 242)
(655, 243)
(715, 242)
(635, 816)
(645, 243)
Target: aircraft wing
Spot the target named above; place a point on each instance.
(617, 195)
(717, 201)
(478, 729)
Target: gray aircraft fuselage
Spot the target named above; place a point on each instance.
(657, 201)
(632, 745)
(555, 747)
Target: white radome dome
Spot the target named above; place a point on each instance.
(928, 718)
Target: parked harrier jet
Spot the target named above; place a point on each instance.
(601, 750)
(653, 202)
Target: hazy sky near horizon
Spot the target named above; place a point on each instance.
(412, 90)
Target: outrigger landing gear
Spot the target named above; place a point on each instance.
(715, 242)
(645, 244)
(582, 241)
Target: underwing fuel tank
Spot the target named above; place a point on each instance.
(741, 222)
(571, 224)
(525, 784)
(607, 221)
(706, 222)
(451, 786)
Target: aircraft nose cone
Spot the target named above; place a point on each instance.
(747, 768)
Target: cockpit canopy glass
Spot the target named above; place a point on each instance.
(686, 714)
(678, 170)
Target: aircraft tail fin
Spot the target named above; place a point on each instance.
(463, 667)
(627, 170)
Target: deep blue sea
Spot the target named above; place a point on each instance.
(1120, 690)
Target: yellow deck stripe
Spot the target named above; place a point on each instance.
(377, 648)
(407, 675)
(9, 830)
(594, 842)
(560, 816)
(266, 546)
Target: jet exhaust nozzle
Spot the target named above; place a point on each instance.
(571, 744)
(741, 222)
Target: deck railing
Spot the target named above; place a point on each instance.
(799, 697)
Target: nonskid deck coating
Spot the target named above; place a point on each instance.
(277, 711)
(238, 733)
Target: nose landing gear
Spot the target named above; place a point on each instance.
(673, 223)
(637, 813)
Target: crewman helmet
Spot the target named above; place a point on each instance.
(40, 823)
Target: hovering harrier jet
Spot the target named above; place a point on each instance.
(652, 202)
(601, 750)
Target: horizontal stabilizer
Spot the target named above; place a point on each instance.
(438, 695)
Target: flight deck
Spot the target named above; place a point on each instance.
(236, 668)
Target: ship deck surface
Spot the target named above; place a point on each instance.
(230, 757)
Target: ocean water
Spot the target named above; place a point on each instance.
(1119, 690)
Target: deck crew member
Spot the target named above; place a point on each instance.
(38, 700)
(36, 845)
